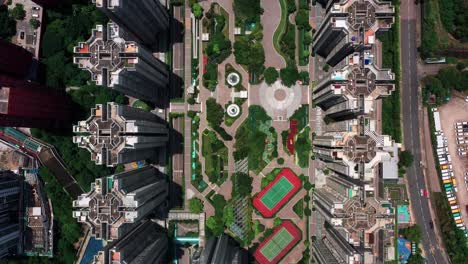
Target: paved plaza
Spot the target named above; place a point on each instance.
(279, 101)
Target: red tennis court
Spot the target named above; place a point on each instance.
(277, 193)
(278, 244)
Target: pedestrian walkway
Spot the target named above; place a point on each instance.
(270, 20)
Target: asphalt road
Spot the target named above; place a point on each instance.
(420, 205)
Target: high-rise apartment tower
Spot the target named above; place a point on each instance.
(146, 243)
(144, 20)
(117, 134)
(11, 210)
(121, 65)
(117, 203)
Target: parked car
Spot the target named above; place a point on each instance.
(424, 193)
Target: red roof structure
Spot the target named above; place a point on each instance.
(292, 229)
(291, 135)
(287, 174)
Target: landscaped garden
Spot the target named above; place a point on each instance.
(305, 37)
(303, 147)
(248, 48)
(216, 157)
(233, 81)
(256, 140)
(229, 120)
(196, 168)
(391, 118)
(296, 140)
(284, 38)
(218, 47)
(215, 116)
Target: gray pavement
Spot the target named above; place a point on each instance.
(411, 110)
(26, 36)
(178, 46)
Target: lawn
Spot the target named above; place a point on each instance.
(281, 28)
(391, 121)
(298, 208)
(142, 105)
(216, 157)
(256, 140)
(303, 60)
(303, 147)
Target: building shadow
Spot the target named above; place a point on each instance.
(176, 155)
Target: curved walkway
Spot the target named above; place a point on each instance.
(270, 21)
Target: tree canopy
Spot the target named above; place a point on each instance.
(219, 202)
(18, 12)
(289, 75)
(7, 24)
(412, 233)
(270, 75)
(250, 53)
(34, 23)
(215, 224)
(302, 20)
(196, 205)
(63, 32)
(197, 10)
(249, 10)
(440, 85)
(242, 184)
(68, 229)
(214, 112)
(454, 17)
(406, 158)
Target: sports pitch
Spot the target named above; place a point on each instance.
(276, 245)
(277, 192)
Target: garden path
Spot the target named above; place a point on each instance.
(270, 21)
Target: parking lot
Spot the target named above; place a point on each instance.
(451, 113)
(26, 36)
